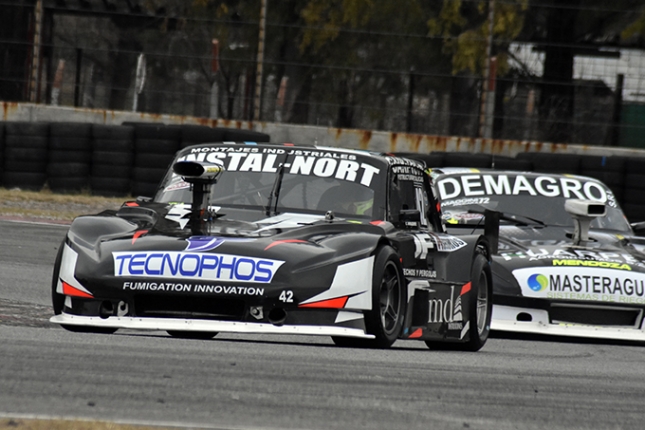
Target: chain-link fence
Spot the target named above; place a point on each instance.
(550, 70)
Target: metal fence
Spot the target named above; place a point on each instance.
(551, 70)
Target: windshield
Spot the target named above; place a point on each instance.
(524, 199)
(312, 184)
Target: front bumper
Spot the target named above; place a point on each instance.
(538, 321)
(177, 324)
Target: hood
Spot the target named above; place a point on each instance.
(543, 262)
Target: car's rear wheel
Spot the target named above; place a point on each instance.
(480, 308)
(58, 301)
(385, 319)
(203, 335)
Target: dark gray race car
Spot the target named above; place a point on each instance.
(569, 263)
(280, 239)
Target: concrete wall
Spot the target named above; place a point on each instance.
(381, 141)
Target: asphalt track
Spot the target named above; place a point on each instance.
(260, 382)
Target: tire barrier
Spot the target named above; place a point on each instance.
(25, 155)
(106, 160)
(70, 154)
(154, 148)
(1, 149)
(112, 158)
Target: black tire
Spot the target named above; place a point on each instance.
(195, 134)
(155, 131)
(70, 157)
(635, 165)
(144, 189)
(113, 158)
(480, 308)
(70, 143)
(65, 170)
(510, 163)
(112, 145)
(154, 161)
(24, 142)
(145, 174)
(24, 154)
(77, 130)
(466, 159)
(71, 185)
(386, 317)
(200, 335)
(108, 186)
(236, 135)
(26, 166)
(112, 132)
(107, 171)
(26, 128)
(155, 146)
(24, 180)
(552, 163)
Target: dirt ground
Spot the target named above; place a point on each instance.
(45, 205)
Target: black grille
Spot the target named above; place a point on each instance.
(594, 316)
(188, 307)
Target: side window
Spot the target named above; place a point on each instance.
(408, 194)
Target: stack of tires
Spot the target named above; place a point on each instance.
(25, 155)
(467, 159)
(70, 155)
(195, 134)
(1, 150)
(238, 135)
(112, 160)
(500, 162)
(634, 189)
(154, 148)
(548, 162)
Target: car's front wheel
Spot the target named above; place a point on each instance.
(480, 308)
(385, 320)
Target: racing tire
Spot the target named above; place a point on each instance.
(480, 308)
(385, 319)
(199, 335)
(58, 301)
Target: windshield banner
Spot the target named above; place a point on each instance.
(323, 164)
(477, 185)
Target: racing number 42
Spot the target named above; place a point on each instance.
(286, 296)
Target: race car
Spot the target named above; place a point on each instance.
(280, 239)
(568, 261)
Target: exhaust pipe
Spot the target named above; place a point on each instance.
(106, 309)
(277, 316)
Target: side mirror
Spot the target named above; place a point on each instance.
(409, 215)
(639, 228)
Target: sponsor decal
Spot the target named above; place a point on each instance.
(513, 185)
(419, 273)
(208, 243)
(193, 288)
(343, 166)
(469, 201)
(447, 310)
(188, 265)
(407, 173)
(538, 282)
(582, 283)
(423, 242)
(570, 254)
(592, 263)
